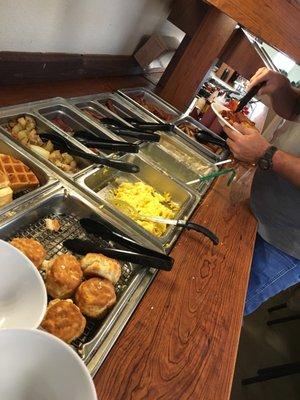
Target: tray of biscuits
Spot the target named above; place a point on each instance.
(86, 293)
(21, 178)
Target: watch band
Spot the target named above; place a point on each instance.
(265, 162)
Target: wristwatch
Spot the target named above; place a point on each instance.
(265, 162)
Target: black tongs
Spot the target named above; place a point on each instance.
(205, 137)
(136, 253)
(151, 126)
(134, 133)
(93, 141)
(248, 96)
(66, 146)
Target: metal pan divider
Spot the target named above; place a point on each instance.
(44, 175)
(92, 183)
(190, 120)
(153, 98)
(42, 124)
(93, 127)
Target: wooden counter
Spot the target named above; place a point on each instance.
(181, 343)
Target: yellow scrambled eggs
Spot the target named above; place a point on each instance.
(138, 198)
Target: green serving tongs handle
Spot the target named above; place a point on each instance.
(215, 174)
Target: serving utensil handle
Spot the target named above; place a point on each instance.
(201, 229)
(248, 96)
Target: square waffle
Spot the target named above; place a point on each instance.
(20, 176)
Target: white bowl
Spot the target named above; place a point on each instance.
(23, 296)
(35, 365)
(217, 109)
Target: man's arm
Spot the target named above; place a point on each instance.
(287, 166)
(248, 145)
(284, 97)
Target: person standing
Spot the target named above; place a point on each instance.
(275, 193)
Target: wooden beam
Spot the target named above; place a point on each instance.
(240, 55)
(186, 15)
(276, 22)
(195, 56)
(23, 67)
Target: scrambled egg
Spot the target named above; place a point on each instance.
(135, 199)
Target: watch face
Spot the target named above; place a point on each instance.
(264, 164)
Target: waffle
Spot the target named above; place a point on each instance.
(20, 176)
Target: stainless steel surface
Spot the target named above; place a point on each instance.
(201, 147)
(90, 104)
(69, 207)
(45, 178)
(165, 159)
(132, 94)
(75, 121)
(100, 183)
(123, 107)
(155, 152)
(42, 127)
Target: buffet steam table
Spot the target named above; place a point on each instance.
(181, 343)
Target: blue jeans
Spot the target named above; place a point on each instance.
(272, 271)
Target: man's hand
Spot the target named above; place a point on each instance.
(285, 99)
(246, 145)
(274, 81)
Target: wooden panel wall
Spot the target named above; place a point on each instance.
(18, 67)
(187, 14)
(276, 22)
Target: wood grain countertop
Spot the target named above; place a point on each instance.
(181, 343)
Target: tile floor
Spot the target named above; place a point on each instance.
(263, 346)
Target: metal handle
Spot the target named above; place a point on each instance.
(203, 137)
(108, 232)
(155, 127)
(116, 164)
(252, 92)
(153, 137)
(83, 247)
(120, 146)
(201, 229)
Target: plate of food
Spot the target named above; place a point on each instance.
(227, 117)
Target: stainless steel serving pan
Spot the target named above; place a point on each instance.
(221, 155)
(91, 105)
(122, 107)
(69, 207)
(129, 94)
(177, 168)
(76, 120)
(44, 176)
(178, 137)
(132, 94)
(100, 182)
(42, 127)
(157, 153)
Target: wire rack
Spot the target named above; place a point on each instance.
(53, 244)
